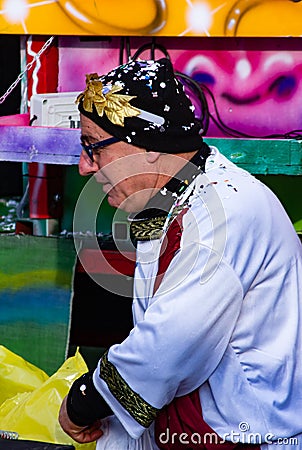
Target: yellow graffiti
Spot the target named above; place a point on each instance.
(136, 16)
(34, 278)
(152, 17)
(241, 8)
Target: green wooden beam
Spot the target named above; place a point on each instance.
(262, 156)
(61, 146)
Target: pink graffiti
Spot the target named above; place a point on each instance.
(256, 83)
(257, 92)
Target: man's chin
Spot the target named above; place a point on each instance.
(127, 205)
(112, 202)
(117, 204)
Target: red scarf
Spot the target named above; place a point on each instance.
(180, 426)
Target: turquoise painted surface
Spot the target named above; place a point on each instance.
(35, 298)
(41, 305)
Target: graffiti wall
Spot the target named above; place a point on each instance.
(251, 85)
(152, 17)
(35, 291)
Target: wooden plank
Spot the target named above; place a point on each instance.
(40, 144)
(262, 156)
(61, 146)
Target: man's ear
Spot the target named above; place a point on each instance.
(152, 157)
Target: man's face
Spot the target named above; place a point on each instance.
(125, 171)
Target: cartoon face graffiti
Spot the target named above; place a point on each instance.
(257, 92)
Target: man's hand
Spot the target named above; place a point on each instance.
(79, 434)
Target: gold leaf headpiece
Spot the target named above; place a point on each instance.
(115, 106)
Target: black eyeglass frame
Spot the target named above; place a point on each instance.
(100, 144)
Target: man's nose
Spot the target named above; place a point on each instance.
(86, 166)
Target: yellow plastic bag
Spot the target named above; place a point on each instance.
(33, 411)
(17, 375)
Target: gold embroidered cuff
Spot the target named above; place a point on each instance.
(137, 407)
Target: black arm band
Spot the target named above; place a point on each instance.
(84, 403)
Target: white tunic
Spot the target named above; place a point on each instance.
(227, 317)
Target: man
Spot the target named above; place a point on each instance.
(214, 358)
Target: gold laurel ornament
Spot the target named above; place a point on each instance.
(115, 106)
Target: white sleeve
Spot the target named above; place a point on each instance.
(180, 341)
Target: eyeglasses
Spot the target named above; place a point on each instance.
(101, 144)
